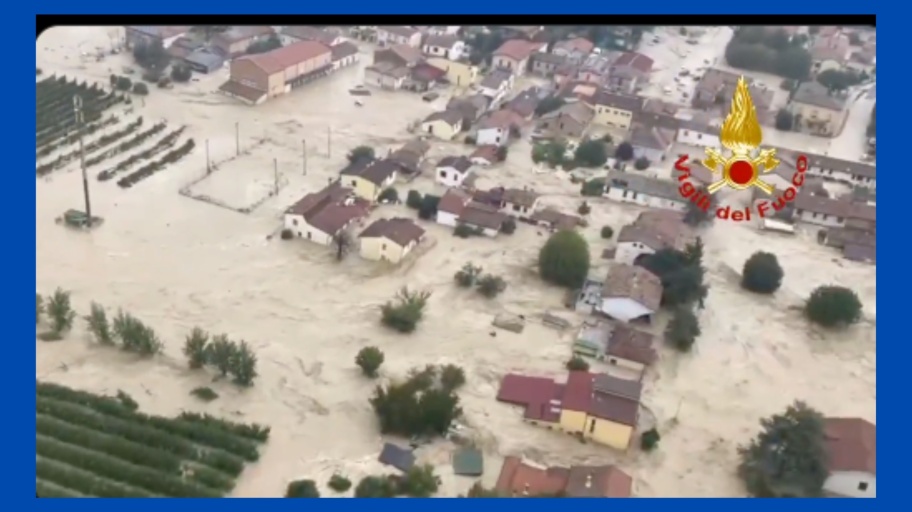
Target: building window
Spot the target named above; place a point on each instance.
(308, 235)
(294, 222)
(443, 174)
(613, 361)
(354, 183)
(383, 247)
(862, 486)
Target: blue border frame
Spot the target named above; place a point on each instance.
(19, 482)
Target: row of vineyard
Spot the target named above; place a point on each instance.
(102, 446)
(54, 113)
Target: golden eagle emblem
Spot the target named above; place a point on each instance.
(742, 136)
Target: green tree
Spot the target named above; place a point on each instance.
(405, 311)
(479, 491)
(267, 45)
(302, 489)
(584, 208)
(99, 326)
(788, 458)
(243, 364)
(785, 121)
(428, 207)
(683, 329)
(140, 88)
(413, 199)
(649, 440)
(369, 359)
(220, 353)
(552, 153)
(577, 364)
(196, 348)
(361, 153)
(60, 312)
(509, 226)
(467, 276)
(641, 164)
(339, 483)
(417, 406)
(832, 306)
(607, 232)
(591, 153)
(695, 215)
(837, 80)
(549, 104)
(564, 259)
(624, 152)
(389, 195)
(375, 487)
(872, 124)
(681, 275)
(39, 308)
(762, 273)
(452, 377)
(491, 286)
(420, 482)
(151, 56)
(593, 188)
(181, 74)
(135, 336)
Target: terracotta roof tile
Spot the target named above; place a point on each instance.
(851, 444)
(285, 57)
(401, 231)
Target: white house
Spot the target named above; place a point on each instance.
(831, 213)
(851, 445)
(495, 129)
(482, 217)
(388, 36)
(293, 33)
(697, 134)
(496, 85)
(386, 75)
(853, 173)
(652, 231)
(451, 205)
(451, 171)
(520, 203)
(344, 54)
(630, 293)
(642, 190)
(321, 216)
(449, 47)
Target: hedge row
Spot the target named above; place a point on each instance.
(138, 454)
(84, 483)
(136, 430)
(252, 431)
(198, 432)
(117, 470)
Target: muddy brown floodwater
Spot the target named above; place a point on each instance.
(179, 263)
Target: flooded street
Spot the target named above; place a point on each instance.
(178, 263)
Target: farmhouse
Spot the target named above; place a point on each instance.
(497, 127)
(570, 121)
(449, 47)
(487, 219)
(386, 75)
(443, 125)
(574, 50)
(390, 240)
(519, 202)
(451, 206)
(321, 216)
(521, 478)
(255, 78)
(460, 74)
(630, 293)
(651, 142)
(387, 36)
(409, 157)
(832, 213)
(398, 55)
(698, 134)
(368, 179)
(546, 64)
(237, 40)
(619, 344)
(452, 171)
(851, 445)
(652, 231)
(597, 407)
(471, 107)
(555, 220)
(634, 188)
(485, 155)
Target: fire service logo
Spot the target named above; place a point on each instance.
(744, 166)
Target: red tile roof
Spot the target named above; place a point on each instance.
(401, 231)
(330, 209)
(280, 59)
(454, 201)
(242, 91)
(851, 444)
(488, 152)
(517, 49)
(637, 61)
(518, 478)
(521, 478)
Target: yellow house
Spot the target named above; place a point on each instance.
(368, 178)
(460, 74)
(443, 125)
(597, 407)
(390, 239)
(615, 109)
(818, 111)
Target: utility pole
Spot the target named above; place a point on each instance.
(208, 166)
(77, 112)
(275, 174)
(237, 138)
(304, 154)
(329, 142)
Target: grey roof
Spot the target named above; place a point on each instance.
(836, 164)
(442, 41)
(495, 78)
(645, 185)
(651, 138)
(579, 112)
(343, 49)
(207, 58)
(451, 116)
(400, 458)
(812, 93)
(618, 101)
(549, 58)
(468, 462)
(461, 163)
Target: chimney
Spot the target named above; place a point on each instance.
(589, 481)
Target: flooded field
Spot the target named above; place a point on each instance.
(179, 263)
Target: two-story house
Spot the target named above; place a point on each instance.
(496, 84)
(452, 171)
(615, 109)
(819, 111)
(449, 47)
(387, 36)
(514, 54)
(635, 188)
(853, 173)
(629, 71)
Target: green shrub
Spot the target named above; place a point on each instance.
(607, 232)
(413, 199)
(339, 483)
(649, 440)
(302, 489)
(369, 359)
(577, 364)
(205, 394)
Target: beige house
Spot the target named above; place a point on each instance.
(616, 109)
(460, 74)
(513, 55)
(818, 111)
(254, 78)
(390, 240)
(443, 125)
